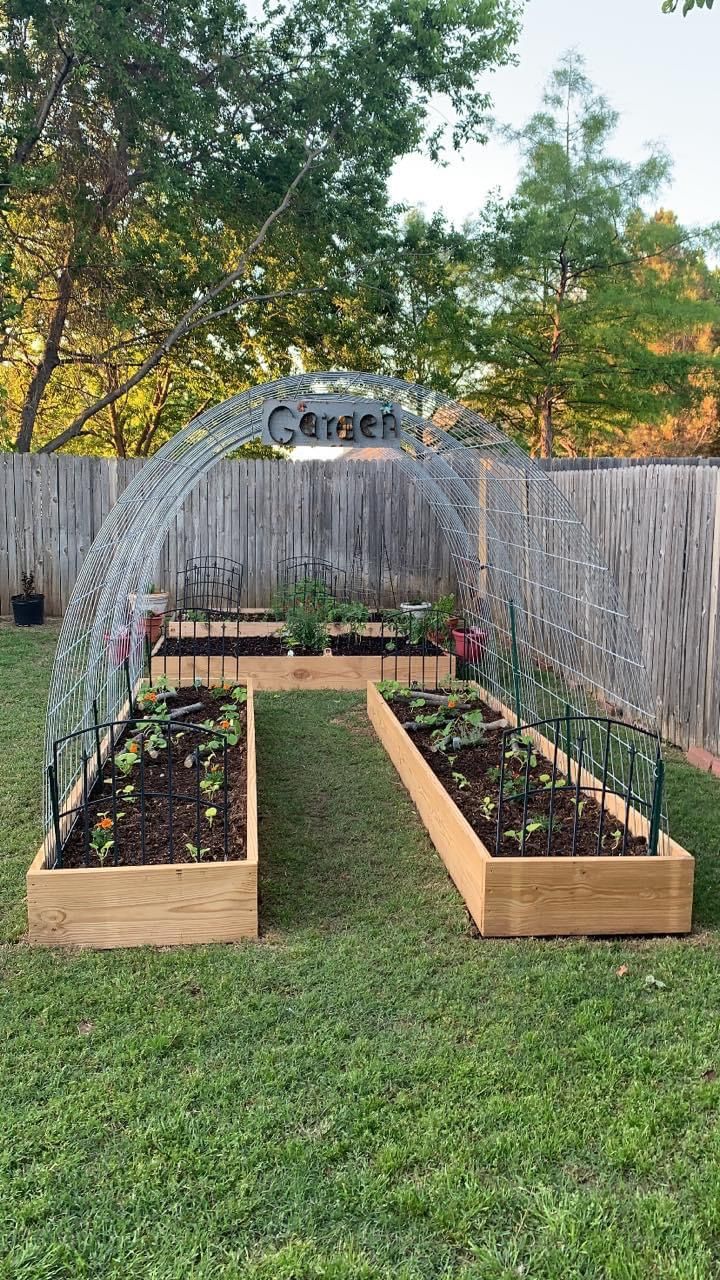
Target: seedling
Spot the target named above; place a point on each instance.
(461, 780)
(196, 853)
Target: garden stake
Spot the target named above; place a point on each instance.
(606, 756)
(170, 796)
(142, 803)
(501, 791)
(515, 663)
(568, 740)
(631, 768)
(225, 796)
(52, 784)
(528, 757)
(113, 775)
(552, 788)
(656, 804)
(98, 752)
(126, 666)
(581, 744)
(86, 816)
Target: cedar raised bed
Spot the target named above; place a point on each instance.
(542, 896)
(279, 671)
(151, 905)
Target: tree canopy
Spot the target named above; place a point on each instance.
(586, 293)
(175, 176)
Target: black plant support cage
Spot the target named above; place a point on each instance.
(210, 584)
(556, 636)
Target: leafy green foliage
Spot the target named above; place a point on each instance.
(143, 148)
(669, 6)
(590, 295)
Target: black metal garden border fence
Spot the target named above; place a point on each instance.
(103, 740)
(573, 749)
(211, 584)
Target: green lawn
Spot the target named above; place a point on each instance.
(371, 1090)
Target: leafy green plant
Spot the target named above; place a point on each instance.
(354, 615)
(102, 836)
(195, 851)
(127, 759)
(306, 629)
(487, 807)
(460, 780)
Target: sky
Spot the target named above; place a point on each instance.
(660, 71)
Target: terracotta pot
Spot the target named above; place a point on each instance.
(153, 626)
(470, 644)
(119, 645)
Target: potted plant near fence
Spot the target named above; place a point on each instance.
(153, 605)
(28, 607)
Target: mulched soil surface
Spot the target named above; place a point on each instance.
(128, 830)
(274, 647)
(478, 765)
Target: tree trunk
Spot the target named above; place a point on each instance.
(49, 362)
(546, 425)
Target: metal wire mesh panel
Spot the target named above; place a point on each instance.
(556, 635)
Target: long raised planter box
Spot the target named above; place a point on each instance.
(324, 671)
(170, 905)
(526, 897)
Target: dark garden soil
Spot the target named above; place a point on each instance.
(477, 788)
(274, 647)
(184, 817)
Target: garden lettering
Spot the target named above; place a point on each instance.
(326, 420)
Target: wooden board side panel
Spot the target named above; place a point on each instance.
(464, 855)
(537, 897)
(173, 905)
(523, 897)
(321, 672)
(143, 906)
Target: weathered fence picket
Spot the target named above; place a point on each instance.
(657, 525)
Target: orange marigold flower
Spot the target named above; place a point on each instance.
(225, 724)
(151, 697)
(452, 702)
(133, 746)
(104, 824)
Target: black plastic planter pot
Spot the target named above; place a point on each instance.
(28, 611)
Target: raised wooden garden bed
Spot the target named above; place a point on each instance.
(280, 671)
(151, 905)
(541, 896)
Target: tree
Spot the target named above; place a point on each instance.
(582, 310)
(167, 169)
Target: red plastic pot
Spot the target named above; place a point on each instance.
(120, 645)
(470, 644)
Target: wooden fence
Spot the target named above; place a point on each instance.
(657, 525)
(360, 516)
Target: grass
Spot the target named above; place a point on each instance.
(369, 1092)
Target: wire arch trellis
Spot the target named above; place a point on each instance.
(513, 537)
